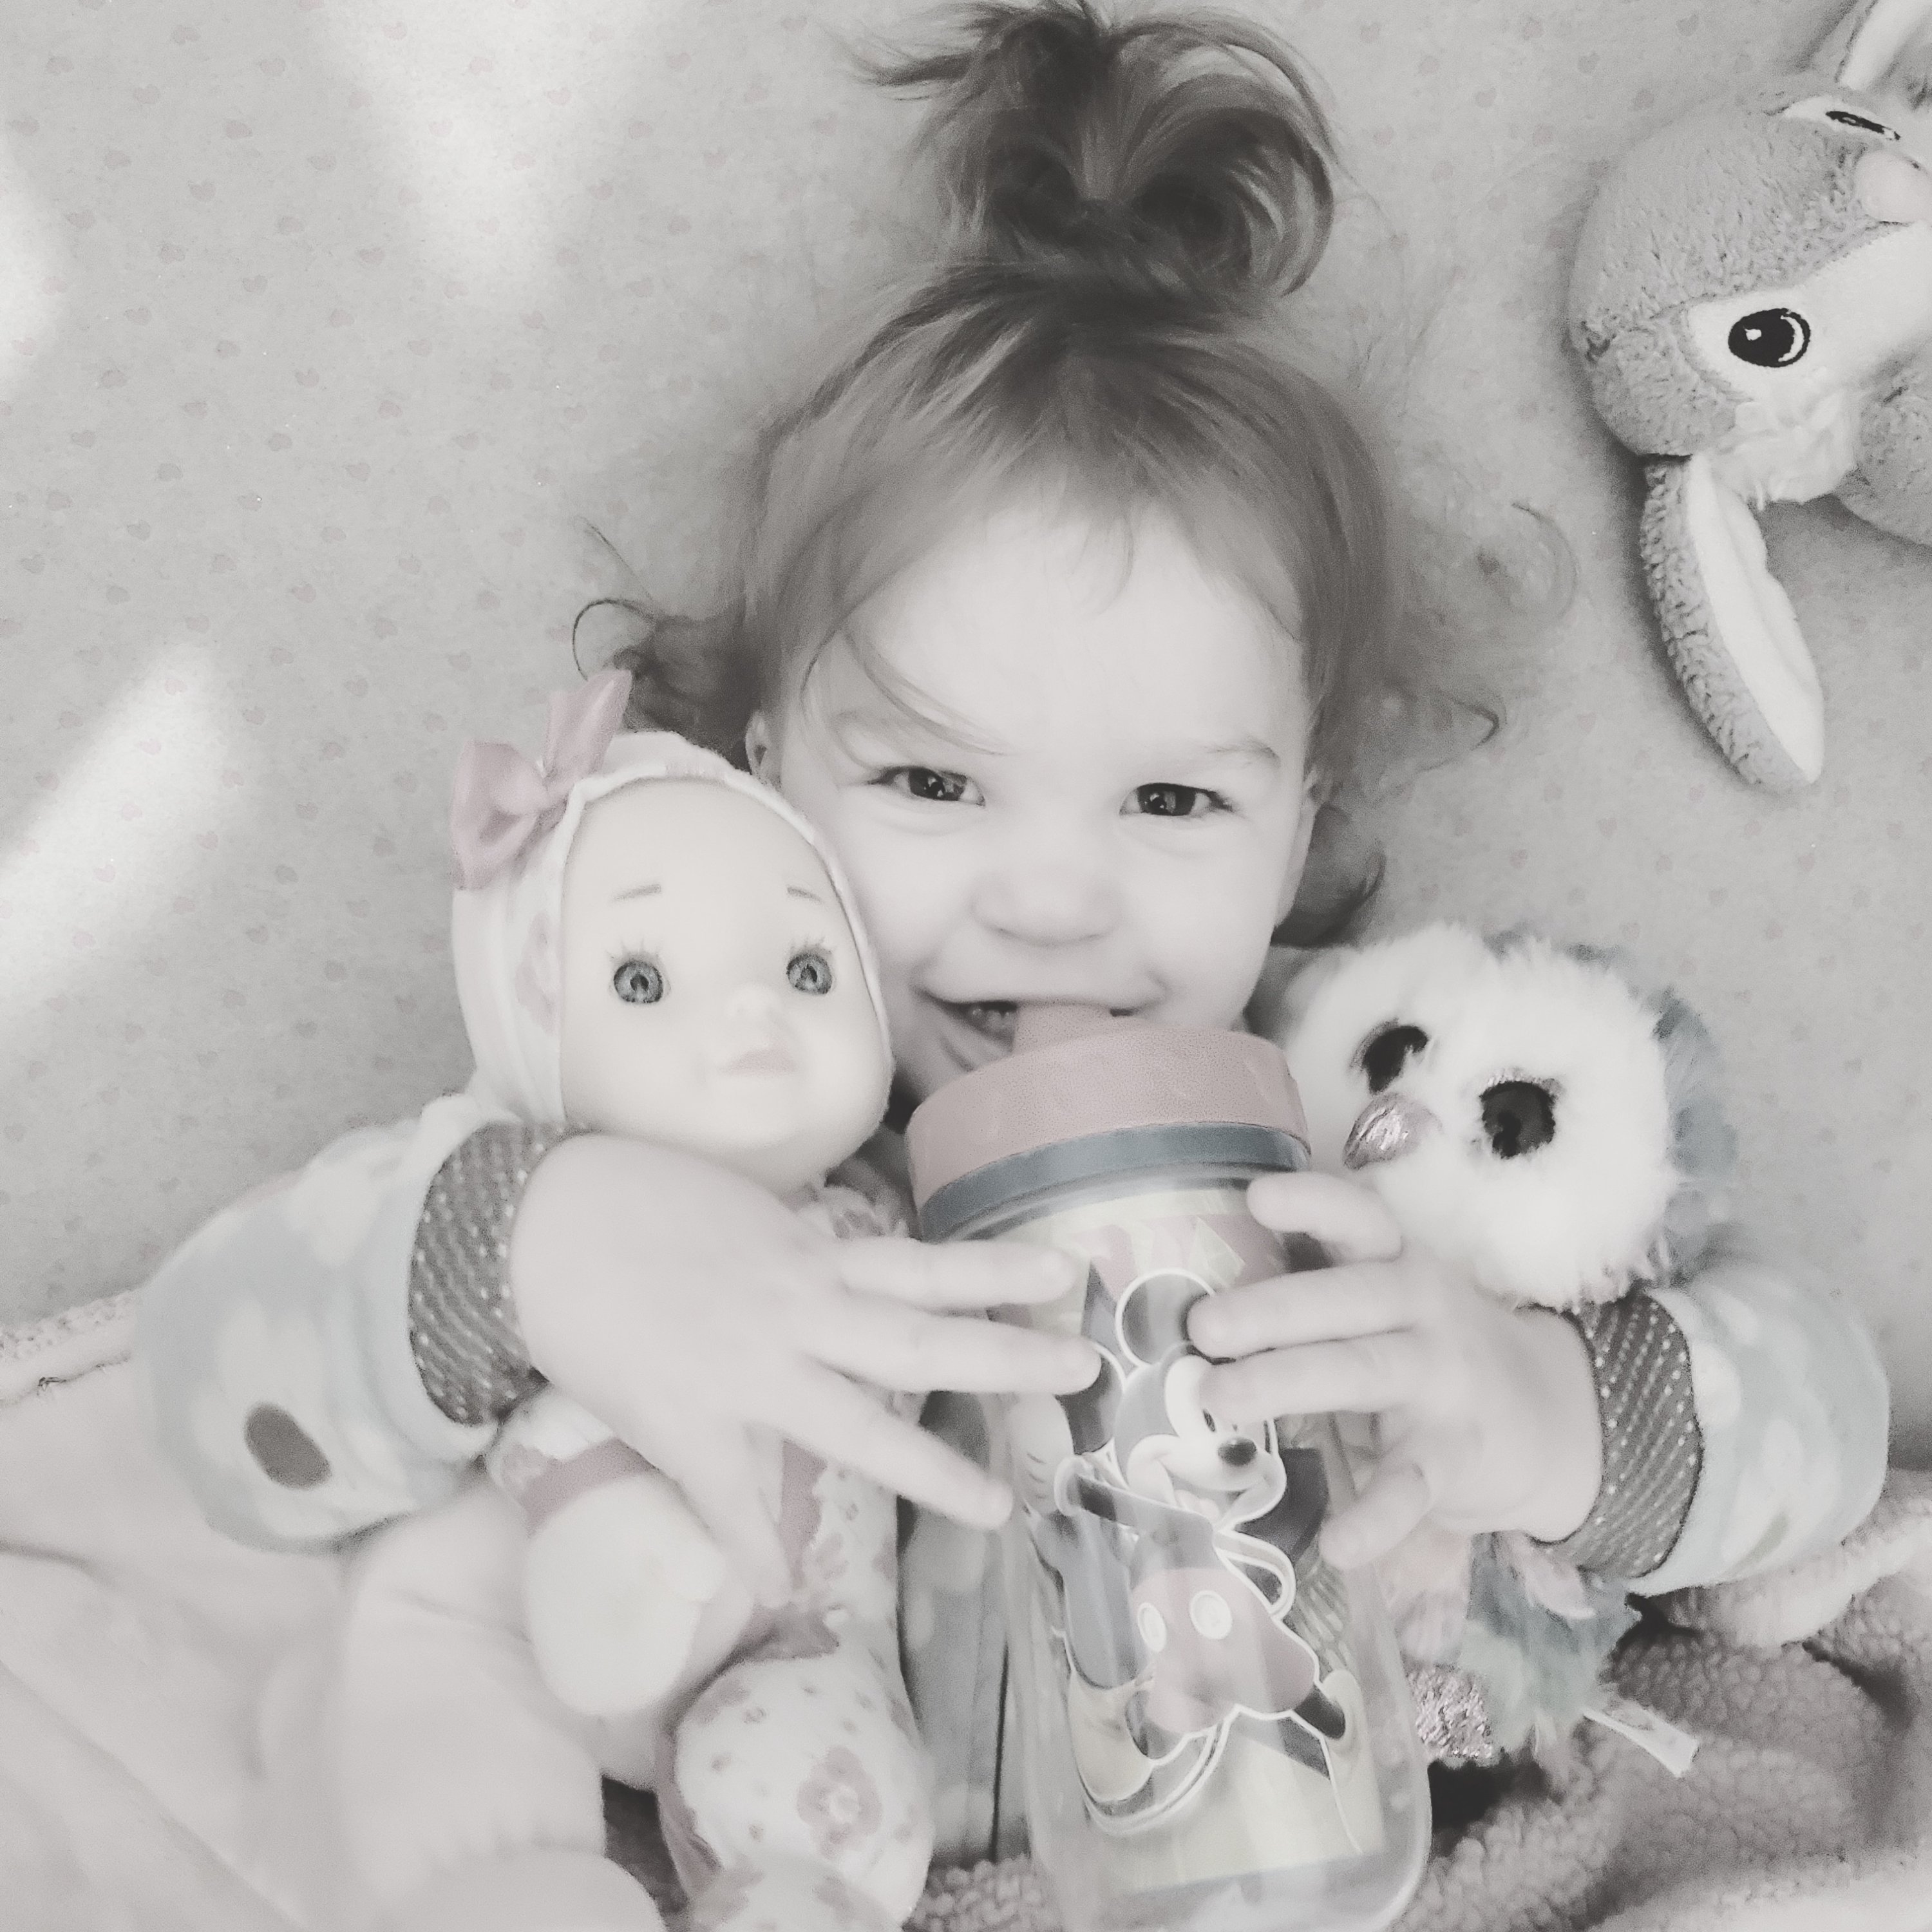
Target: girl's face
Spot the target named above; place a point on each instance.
(1114, 810)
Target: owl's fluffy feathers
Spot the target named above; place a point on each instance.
(1624, 1190)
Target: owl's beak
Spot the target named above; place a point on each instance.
(1388, 1127)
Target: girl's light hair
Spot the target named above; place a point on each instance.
(1127, 204)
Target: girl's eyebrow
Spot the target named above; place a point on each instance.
(636, 892)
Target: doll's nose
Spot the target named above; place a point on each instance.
(1894, 188)
(752, 1004)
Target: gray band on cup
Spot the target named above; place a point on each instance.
(1120, 1154)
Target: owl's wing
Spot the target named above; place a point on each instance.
(1730, 631)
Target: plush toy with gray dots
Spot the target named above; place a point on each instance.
(1542, 1118)
(1752, 301)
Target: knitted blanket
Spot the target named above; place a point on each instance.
(1808, 1804)
(136, 1645)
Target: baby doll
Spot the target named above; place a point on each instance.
(1534, 1117)
(649, 943)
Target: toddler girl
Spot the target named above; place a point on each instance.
(1063, 599)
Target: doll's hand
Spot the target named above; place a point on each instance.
(689, 1309)
(1486, 1415)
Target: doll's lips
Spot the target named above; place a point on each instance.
(762, 1059)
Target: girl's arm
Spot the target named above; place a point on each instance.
(336, 1349)
(1495, 1418)
(1791, 1417)
(307, 1370)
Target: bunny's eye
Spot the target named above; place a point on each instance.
(1826, 108)
(1388, 1052)
(1769, 338)
(1518, 1116)
(1845, 118)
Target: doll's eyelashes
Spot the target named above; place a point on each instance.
(1387, 1052)
(1518, 1116)
(1769, 338)
(639, 982)
(810, 972)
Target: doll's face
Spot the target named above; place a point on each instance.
(713, 998)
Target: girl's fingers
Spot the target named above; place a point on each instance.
(716, 1466)
(966, 1275)
(1398, 1495)
(820, 1411)
(1323, 1305)
(1344, 1216)
(901, 1347)
(1372, 1373)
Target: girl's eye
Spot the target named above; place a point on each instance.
(1770, 338)
(1388, 1053)
(1518, 1116)
(810, 972)
(1176, 801)
(640, 983)
(921, 781)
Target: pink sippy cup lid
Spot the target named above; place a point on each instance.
(1084, 1093)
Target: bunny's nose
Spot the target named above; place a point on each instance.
(1895, 189)
(1388, 1126)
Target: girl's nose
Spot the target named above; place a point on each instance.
(1050, 894)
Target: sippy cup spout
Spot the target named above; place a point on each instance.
(1049, 1022)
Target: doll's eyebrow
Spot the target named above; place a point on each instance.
(636, 892)
(800, 892)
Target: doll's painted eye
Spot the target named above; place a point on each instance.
(1388, 1053)
(1845, 118)
(810, 972)
(1518, 1116)
(1770, 338)
(639, 981)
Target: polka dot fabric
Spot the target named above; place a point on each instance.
(333, 329)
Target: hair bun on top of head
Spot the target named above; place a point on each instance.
(1176, 156)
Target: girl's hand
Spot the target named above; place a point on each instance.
(689, 1309)
(1486, 1414)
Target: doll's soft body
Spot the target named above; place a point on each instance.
(647, 943)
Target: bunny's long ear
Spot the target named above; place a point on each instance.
(1862, 51)
(1730, 628)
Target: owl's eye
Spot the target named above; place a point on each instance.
(639, 982)
(1518, 1116)
(1388, 1053)
(810, 973)
(1769, 338)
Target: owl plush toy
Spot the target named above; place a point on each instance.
(1538, 1117)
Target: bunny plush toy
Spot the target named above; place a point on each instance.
(1752, 301)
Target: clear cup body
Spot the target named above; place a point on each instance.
(1216, 1728)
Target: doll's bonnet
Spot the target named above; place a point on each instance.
(512, 823)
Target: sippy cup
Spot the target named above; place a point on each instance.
(1215, 1730)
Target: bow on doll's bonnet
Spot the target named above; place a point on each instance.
(512, 825)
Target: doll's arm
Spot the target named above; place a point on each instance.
(1792, 1408)
(276, 1345)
